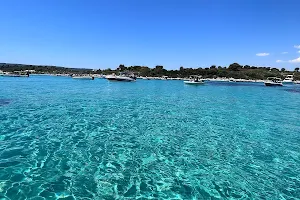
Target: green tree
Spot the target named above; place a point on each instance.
(159, 67)
(282, 69)
(158, 70)
(297, 69)
(122, 67)
(234, 67)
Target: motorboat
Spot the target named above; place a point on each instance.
(273, 81)
(83, 77)
(123, 76)
(194, 80)
(297, 82)
(232, 80)
(289, 79)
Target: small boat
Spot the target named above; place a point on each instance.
(232, 80)
(123, 76)
(289, 79)
(273, 81)
(194, 80)
(83, 77)
(164, 78)
(297, 82)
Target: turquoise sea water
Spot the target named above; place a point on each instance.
(62, 138)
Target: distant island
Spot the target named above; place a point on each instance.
(234, 70)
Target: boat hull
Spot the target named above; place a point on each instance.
(193, 83)
(273, 84)
(120, 78)
(287, 82)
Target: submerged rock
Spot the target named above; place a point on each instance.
(293, 90)
(4, 102)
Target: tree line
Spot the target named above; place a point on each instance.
(43, 69)
(234, 70)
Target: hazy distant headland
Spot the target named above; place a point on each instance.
(234, 70)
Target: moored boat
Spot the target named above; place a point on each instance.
(125, 77)
(232, 80)
(289, 79)
(273, 81)
(194, 80)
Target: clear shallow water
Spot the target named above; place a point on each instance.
(74, 139)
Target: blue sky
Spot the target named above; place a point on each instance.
(172, 33)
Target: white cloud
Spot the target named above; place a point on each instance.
(299, 51)
(297, 60)
(284, 52)
(297, 46)
(262, 54)
(279, 61)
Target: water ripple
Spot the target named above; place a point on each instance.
(66, 139)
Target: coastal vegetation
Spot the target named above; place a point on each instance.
(234, 70)
(43, 69)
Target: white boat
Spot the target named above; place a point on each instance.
(297, 82)
(232, 80)
(289, 79)
(84, 77)
(273, 81)
(125, 77)
(194, 80)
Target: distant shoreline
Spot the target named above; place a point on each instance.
(234, 70)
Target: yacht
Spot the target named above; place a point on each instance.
(194, 80)
(273, 81)
(123, 76)
(288, 79)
